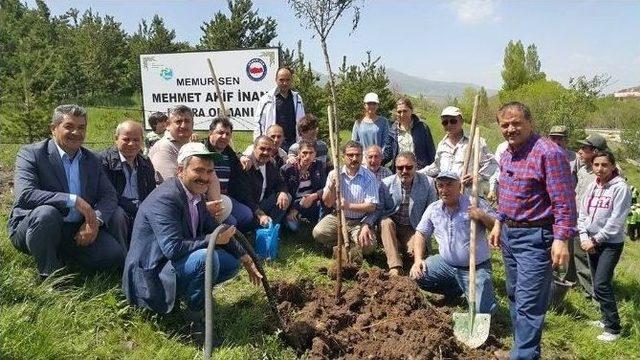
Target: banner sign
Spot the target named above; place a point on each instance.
(185, 79)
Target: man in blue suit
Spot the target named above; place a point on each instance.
(64, 202)
(167, 255)
(404, 196)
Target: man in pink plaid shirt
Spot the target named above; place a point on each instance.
(537, 212)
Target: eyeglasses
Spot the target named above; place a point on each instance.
(451, 121)
(351, 156)
(404, 167)
(402, 111)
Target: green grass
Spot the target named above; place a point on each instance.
(90, 319)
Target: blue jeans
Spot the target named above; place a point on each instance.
(190, 271)
(312, 214)
(527, 263)
(603, 262)
(241, 216)
(442, 278)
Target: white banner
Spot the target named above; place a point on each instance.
(185, 79)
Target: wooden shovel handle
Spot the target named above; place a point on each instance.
(471, 146)
(474, 223)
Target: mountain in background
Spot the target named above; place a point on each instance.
(431, 89)
(439, 91)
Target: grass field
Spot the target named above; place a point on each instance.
(88, 318)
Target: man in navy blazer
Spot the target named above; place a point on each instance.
(64, 202)
(405, 196)
(167, 255)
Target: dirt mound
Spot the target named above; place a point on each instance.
(378, 318)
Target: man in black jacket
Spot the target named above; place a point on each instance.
(229, 171)
(130, 173)
(270, 198)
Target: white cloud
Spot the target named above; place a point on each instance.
(475, 11)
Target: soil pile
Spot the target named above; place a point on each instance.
(378, 318)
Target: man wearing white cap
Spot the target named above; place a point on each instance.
(448, 220)
(451, 150)
(372, 129)
(172, 230)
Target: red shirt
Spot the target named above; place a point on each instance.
(536, 184)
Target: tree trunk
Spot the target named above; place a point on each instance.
(333, 130)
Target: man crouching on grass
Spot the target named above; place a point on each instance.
(449, 219)
(171, 232)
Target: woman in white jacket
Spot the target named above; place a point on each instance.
(601, 221)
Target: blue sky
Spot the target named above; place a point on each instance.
(460, 40)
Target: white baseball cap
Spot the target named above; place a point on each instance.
(197, 149)
(371, 98)
(451, 111)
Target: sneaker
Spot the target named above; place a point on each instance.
(597, 323)
(607, 336)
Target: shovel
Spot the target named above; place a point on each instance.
(470, 328)
(208, 300)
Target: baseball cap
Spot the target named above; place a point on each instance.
(559, 130)
(371, 98)
(595, 140)
(196, 149)
(449, 175)
(451, 111)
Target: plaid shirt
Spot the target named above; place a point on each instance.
(536, 184)
(382, 173)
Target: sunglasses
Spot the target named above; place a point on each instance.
(403, 168)
(402, 111)
(451, 121)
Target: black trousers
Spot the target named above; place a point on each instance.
(603, 262)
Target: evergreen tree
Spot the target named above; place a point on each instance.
(354, 82)
(29, 73)
(243, 29)
(532, 64)
(154, 38)
(307, 82)
(104, 52)
(484, 112)
(514, 71)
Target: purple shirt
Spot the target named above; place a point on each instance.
(536, 184)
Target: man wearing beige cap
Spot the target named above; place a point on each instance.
(560, 136)
(451, 150)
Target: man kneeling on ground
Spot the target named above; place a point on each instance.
(171, 232)
(405, 196)
(359, 190)
(449, 219)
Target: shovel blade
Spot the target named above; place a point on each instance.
(474, 336)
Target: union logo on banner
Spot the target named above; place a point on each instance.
(166, 73)
(256, 69)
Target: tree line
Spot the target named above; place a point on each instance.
(89, 59)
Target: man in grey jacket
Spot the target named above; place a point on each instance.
(281, 106)
(404, 197)
(64, 201)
